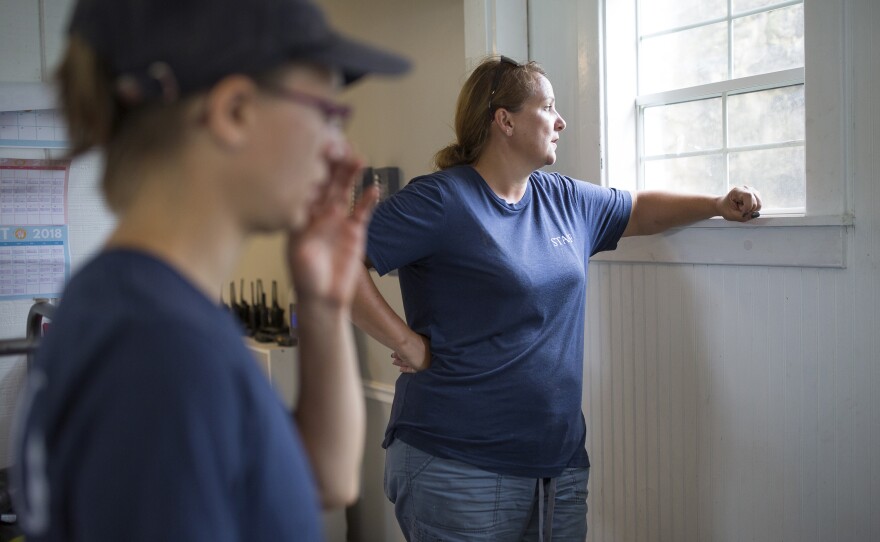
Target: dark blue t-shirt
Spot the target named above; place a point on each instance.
(147, 419)
(500, 291)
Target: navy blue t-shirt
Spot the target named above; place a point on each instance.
(500, 291)
(146, 418)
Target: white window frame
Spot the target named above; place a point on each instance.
(599, 144)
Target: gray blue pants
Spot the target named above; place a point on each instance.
(442, 499)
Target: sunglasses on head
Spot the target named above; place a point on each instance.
(499, 73)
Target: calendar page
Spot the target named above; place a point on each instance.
(33, 192)
(34, 261)
(34, 248)
(41, 128)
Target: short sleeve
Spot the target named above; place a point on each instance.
(407, 227)
(606, 211)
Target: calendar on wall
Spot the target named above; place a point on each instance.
(34, 248)
(40, 128)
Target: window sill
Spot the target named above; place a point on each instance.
(787, 241)
(777, 221)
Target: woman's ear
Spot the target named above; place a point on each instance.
(230, 112)
(504, 120)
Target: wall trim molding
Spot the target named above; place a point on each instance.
(378, 391)
(494, 27)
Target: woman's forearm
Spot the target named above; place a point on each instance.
(372, 314)
(657, 211)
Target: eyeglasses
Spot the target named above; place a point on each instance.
(499, 73)
(335, 114)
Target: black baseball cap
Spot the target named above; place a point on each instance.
(202, 41)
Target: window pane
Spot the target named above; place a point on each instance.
(692, 174)
(768, 116)
(684, 127)
(683, 59)
(769, 41)
(657, 15)
(778, 174)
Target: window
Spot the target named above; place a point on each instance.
(721, 98)
(711, 93)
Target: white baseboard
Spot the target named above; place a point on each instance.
(379, 391)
